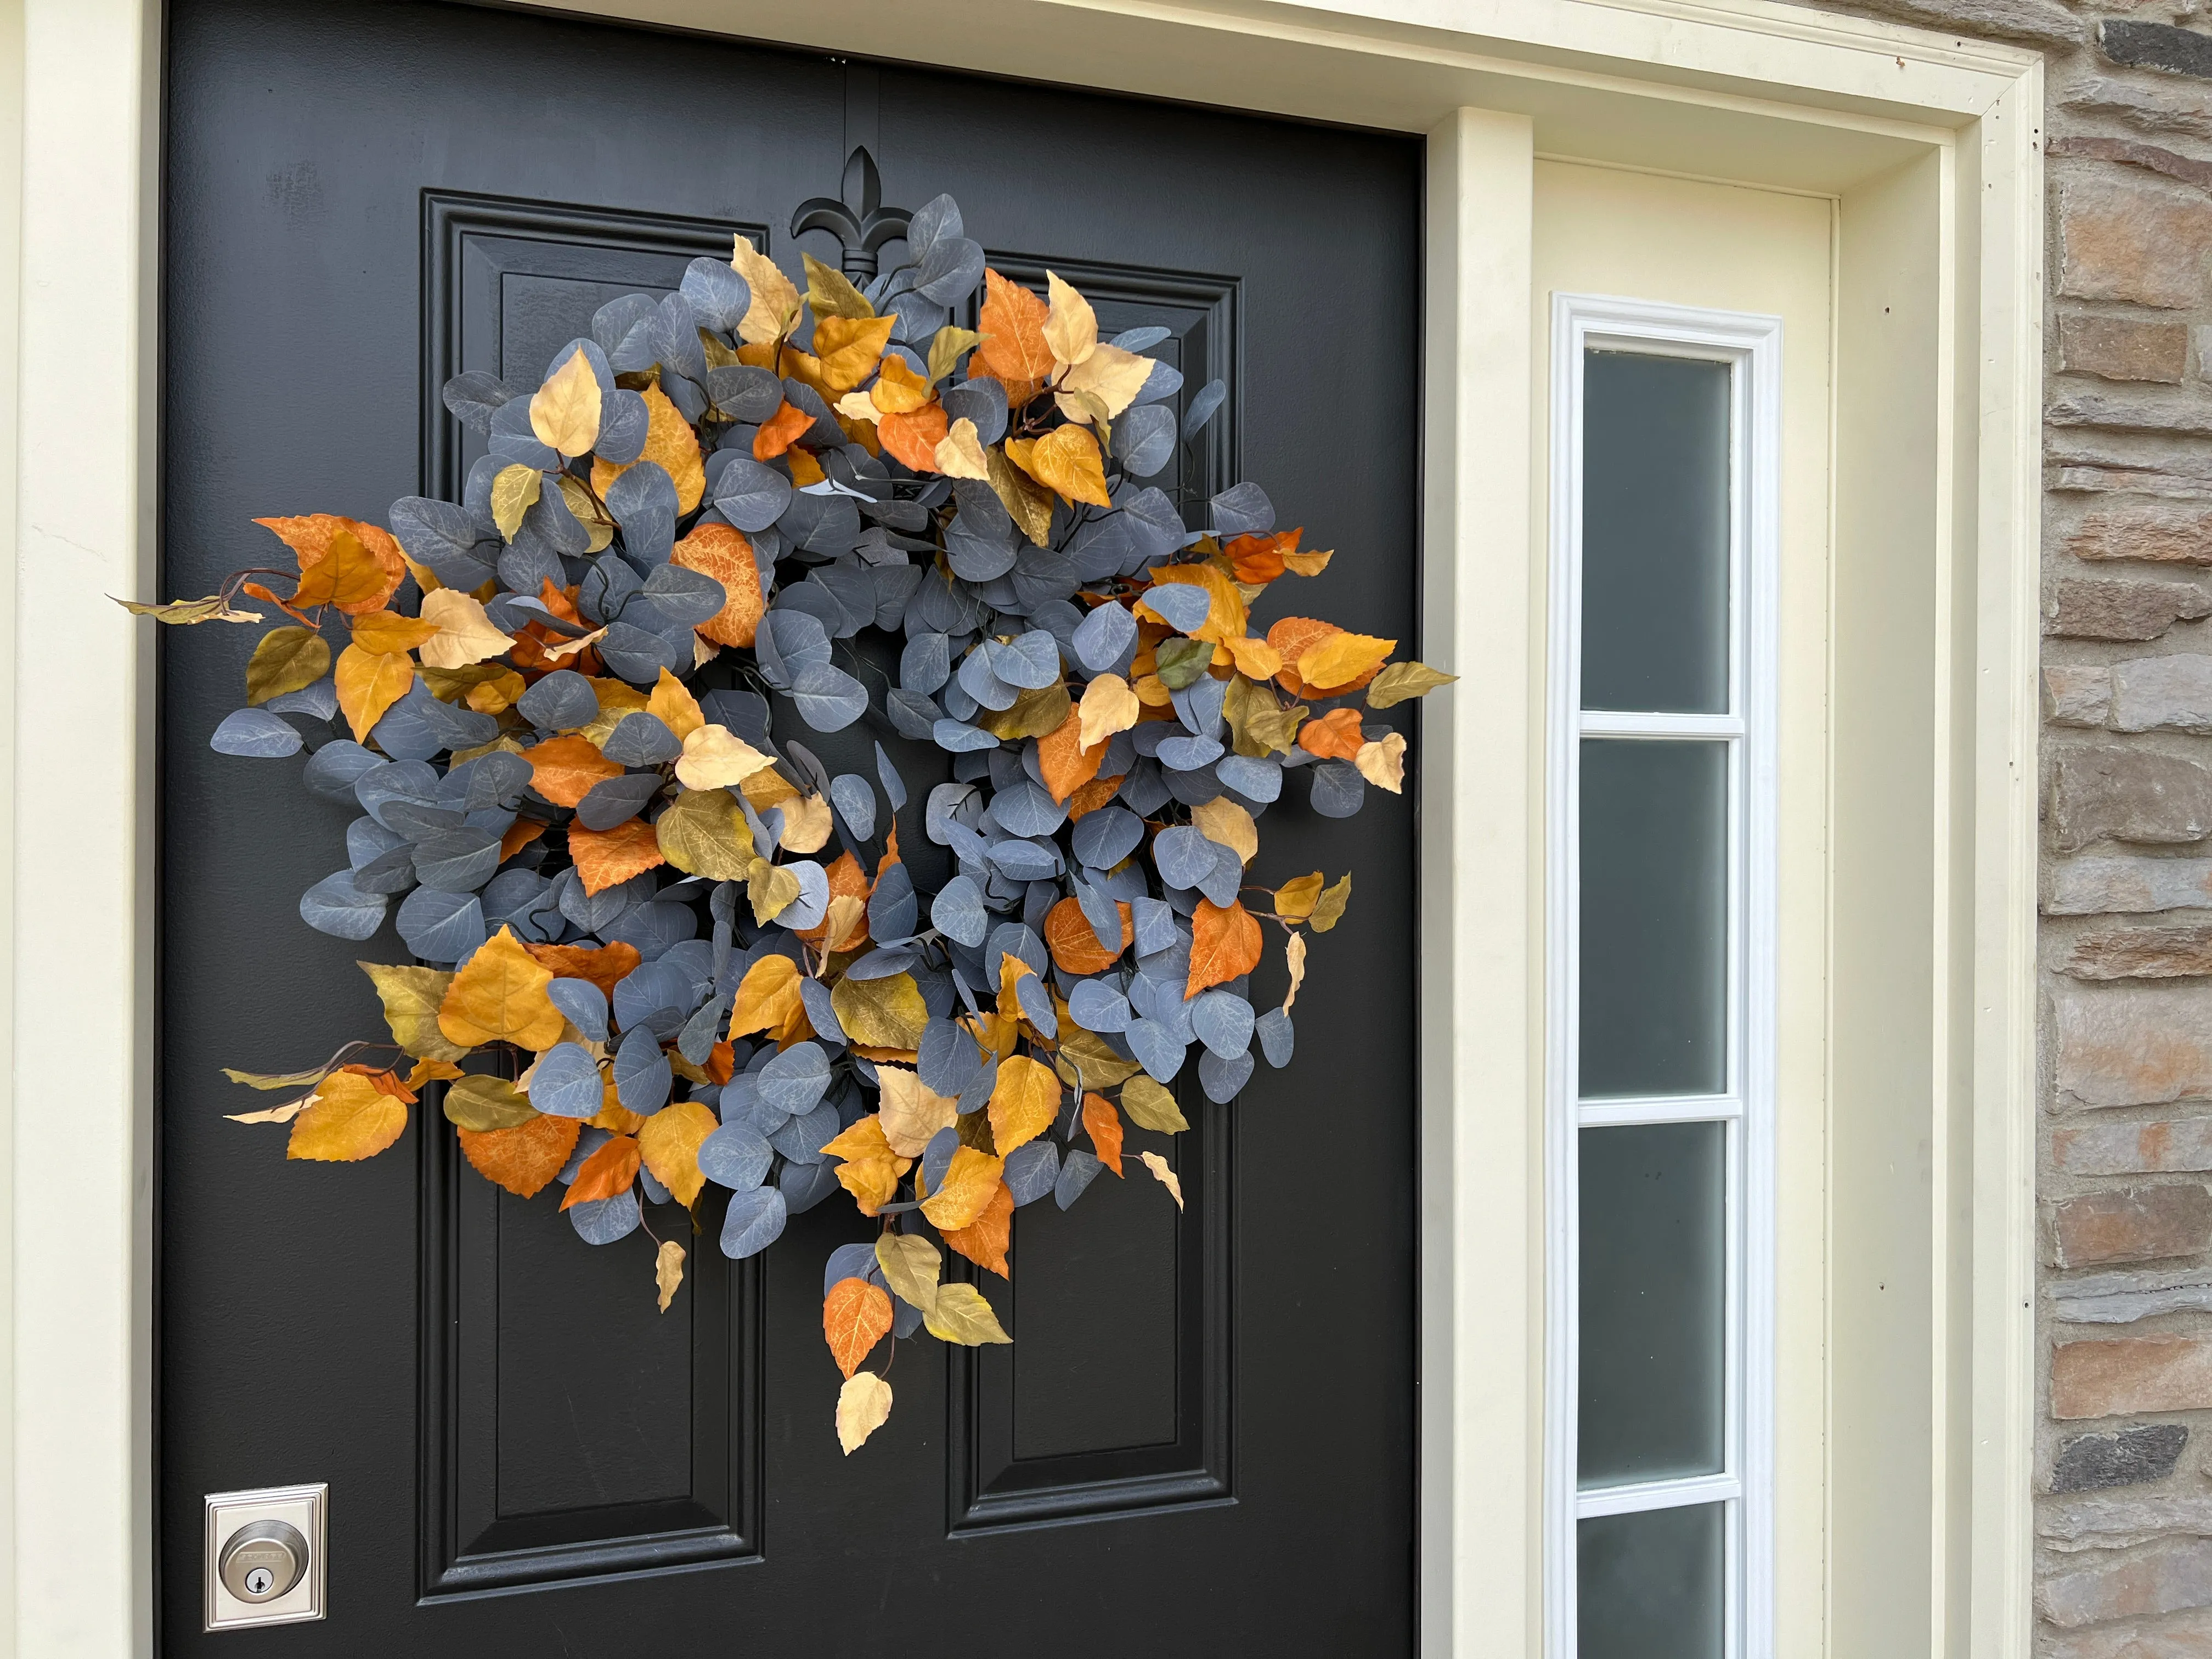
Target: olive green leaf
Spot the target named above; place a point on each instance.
(287, 659)
(487, 1103)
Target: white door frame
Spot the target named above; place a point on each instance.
(1930, 147)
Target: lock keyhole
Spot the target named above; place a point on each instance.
(263, 1560)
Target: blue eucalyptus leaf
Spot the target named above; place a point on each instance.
(1157, 1050)
(1103, 838)
(439, 926)
(612, 801)
(1097, 1006)
(850, 1261)
(1201, 407)
(625, 423)
(1030, 660)
(1221, 1078)
(642, 739)
(754, 1221)
(1256, 779)
(319, 701)
(1182, 855)
(936, 1156)
(750, 495)
(583, 1004)
(1037, 1005)
(821, 1011)
(802, 1138)
(256, 734)
(795, 1079)
(1032, 1171)
(457, 861)
(1165, 381)
(735, 1157)
(855, 800)
(958, 912)
(1222, 1020)
(962, 738)
(652, 927)
(719, 297)
(337, 905)
(1023, 808)
(642, 1073)
(1277, 1036)
(603, 1220)
(892, 910)
(1106, 638)
(1185, 753)
(1338, 789)
(1076, 1172)
(805, 1185)
(1024, 860)
(565, 1082)
(893, 787)
(1183, 605)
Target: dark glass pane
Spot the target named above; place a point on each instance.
(1651, 1584)
(1654, 1284)
(1654, 533)
(1654, 918)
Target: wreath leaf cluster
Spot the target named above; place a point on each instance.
(564, 709)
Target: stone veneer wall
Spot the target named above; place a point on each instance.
(2123, 1458)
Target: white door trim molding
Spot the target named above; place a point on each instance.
(1740, 89)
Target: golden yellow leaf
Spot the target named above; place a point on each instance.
(1382, 762)
(1023, 1103)
(715, 756)
(672, 702)
(1255, 658)
(287, 659)
(898, 390)
(864, 1404)
(564, 412)
(669, 1143)
(1027, 503)
(1163, 1175)
(806, 824)
(1308, 564)
(1151, 1106)
(1151, 691)
(1035, 714)
(870, 1170)
(1226, 824)
(771, 888)
(1294, 953)
(481, 1102)
(767, 997)
(565, 769)
(348, 1119)
(946, 347)
(1329, 907)
(1342, 662)
(1225, 615)
(961, 1315)
(1109, 375)
(1403, 681)
(702, 833)
(670, 443)
(1294, 900)
(881, 1013)
(960, 454)
(849, 349)
(1067, 459)
(985, 1240)
(368, 683)
(1108, 706)
(911, 1266)
(855, 1317)
(668, 1271)
(766, 788)
(410, 997)
(514, 491)
(969, 1180)
(464, 634)
(499, 994)
(775, 297)
(186, 613)
(1071, 326)
(831, 293)
(912, 1112)
(382, 633)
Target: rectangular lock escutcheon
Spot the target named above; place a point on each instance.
(263, 1556)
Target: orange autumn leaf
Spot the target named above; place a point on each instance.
(914, 438)
(384, 1080)
(846, 880)
(368, 683)
(768, 1000)
(723, 552)
(1258, 559)
(499, 995)
(564, 769)
(518, 835)
(607, 858)
(1224, 943)
(260, 591)
(855, 1317)
(984, 1241)
(525, 1158)
(604, 965)
(1093, 795)
(1334, 735)
(1102, 1123)
(1066, 763)
(1074, 943)
(780, 431)
(607, 1173)
(722, 1063)
(969, 1180)
(1013, 347)
(1292, 637)
(366, 575)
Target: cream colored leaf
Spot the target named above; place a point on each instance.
(514, 492)
(1113, 376)
(840, 922)
(564, 412)
(715, 756)
(284, 1114)
(911, 1113)
(1226, 824)
(668, 1271)
(863, 1406)
(962, 1314)
(1163, 1175)
(1382, 762)
(775, 297)
(960, 452)
(566, 649)
(858, 406)
(806, 824)
(911, 1266)
(1295, 954)
(1071, 326)
(1108, 706)
(464, 634)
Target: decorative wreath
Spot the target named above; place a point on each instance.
(570, 746)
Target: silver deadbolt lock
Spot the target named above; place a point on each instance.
(263, 1560)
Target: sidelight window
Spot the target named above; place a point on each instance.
(1660, 994)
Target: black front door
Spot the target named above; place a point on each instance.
(1201, 1440)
